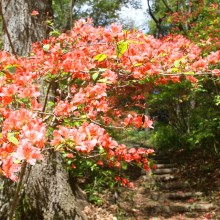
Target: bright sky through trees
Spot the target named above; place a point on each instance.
(137, 17)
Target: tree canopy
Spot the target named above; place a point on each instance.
(189, 114)
(198, 20)
(102, 12)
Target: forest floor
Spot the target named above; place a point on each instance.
(188, 188)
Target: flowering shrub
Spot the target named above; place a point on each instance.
(73, 87)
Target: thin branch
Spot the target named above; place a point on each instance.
(157, 21)
(46, 98)
(105, 126)
(180, 74)
(48, 148)
(6, 30)
(43, 113)
(151, 13)
(53, 120)
(167, 6)
(71, 14)
(177, 5)
(90, 156)
(16, 196)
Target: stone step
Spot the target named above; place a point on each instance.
(165, 177)
(197, 207)
(192, 214)
(182, 195)
(172, 186)
(177, 208)
(167, 165)
(161, 171)
(168, 218)
(162, 161)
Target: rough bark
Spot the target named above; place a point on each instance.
(24, 28)
(7, 190)
(49, 193)
(53, 198)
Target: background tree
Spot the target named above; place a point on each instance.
(198, 20)
(102, 12)
(190, 115)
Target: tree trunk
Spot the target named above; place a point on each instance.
(48, 193)
(24, 28)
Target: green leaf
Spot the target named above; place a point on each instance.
(217, 100)
(189, 73)
(102, 80)
(174, 69)
(83, 117)
(55, 33)
(100, 57)
(95, 76)
(177, 63)
(58, 147)
(46, 47)
(141, 82)
(69, 162)
(134, 42)
(12, 138)
(51, 104)
(11, 68)
(124, 165)
(138, 64)
(122, 47)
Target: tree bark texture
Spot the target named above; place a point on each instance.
(49, 193)
(24, 28)
(7, 190)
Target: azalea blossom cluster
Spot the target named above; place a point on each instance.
(199, 21)
(90, 136)
(92, 99)
(73, 86)
(23, 137)
(138, 121)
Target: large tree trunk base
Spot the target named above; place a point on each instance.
(7, 190)
(50, 194)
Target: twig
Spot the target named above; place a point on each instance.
(6, 30)
(46, 98)
(151, 13)
(72, 3)
(16, 196)
(105, 126)
(187, 74)
(167, 6)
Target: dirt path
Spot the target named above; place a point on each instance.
(160, 194)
